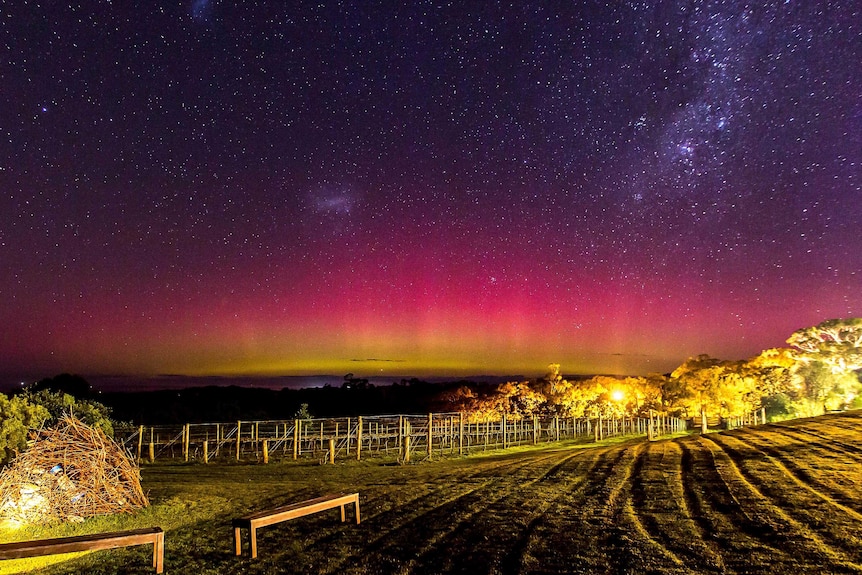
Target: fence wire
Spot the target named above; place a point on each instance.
(405, 437)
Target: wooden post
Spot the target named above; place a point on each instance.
(487, 433)
(296, 424)
(359, 439)
(503, 429)
(348, 437)
(206, 451)
(186, 430)
(266, 451)
(451, 429)
(405, 444)
(763, 415)
(461, 433)
(140, 442)
(256, 439)
(152, 447)
(238, 437)
(332, 451)
(430, 433)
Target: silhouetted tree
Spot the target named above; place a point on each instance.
(73, 385)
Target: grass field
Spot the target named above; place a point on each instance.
(781, 498)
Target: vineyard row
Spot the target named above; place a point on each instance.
(404, 436)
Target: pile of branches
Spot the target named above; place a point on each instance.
(71, 471)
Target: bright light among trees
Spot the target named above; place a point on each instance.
(819, 373)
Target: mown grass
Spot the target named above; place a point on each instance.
(771, 499)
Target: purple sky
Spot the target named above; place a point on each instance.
(420, 188)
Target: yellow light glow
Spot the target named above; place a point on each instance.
(618, 395)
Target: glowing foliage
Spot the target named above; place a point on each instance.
(60, 404)
(836, 343)
(819, 374)
(17, 418)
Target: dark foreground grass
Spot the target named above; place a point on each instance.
(773, 499)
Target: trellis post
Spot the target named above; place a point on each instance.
(359, 439)
(186, 430)
(406, 440)
(430, 435)
(461, 433)
(152, 447)
(296, 424)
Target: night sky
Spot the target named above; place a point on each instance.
(418, 188)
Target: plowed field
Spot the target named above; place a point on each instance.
(779, 498)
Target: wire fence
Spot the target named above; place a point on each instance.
(406, 437)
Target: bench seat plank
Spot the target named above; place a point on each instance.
(253, 521)
(94, 542)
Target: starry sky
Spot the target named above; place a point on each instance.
(227, 188)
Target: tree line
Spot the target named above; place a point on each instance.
(818, 372)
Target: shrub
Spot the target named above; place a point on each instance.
(59, 404)
(17, 418)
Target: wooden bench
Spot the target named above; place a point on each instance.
(94, 542)
(253, 521)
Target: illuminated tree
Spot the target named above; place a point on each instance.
(577, 399)
(643, 394)
(773, 370)
(697, 379)
(17, 418)
(836, 343)
(710, 387)
(821, 389)
(553, 377)
(828, 357)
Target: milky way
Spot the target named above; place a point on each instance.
(421, 187)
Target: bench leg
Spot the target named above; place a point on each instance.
(343, 516)
(252, 534)
(356, 503)
(159, 553)
(238, 543)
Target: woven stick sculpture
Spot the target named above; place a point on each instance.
(70, 472)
